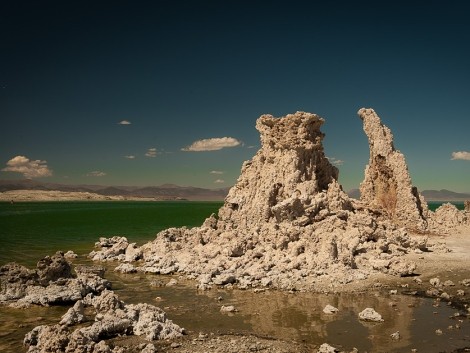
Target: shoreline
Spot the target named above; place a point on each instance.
(389, 293)
(45, 196)
(25, 195)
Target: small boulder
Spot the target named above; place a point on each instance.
(326, 348)
(228, 309)
(51, 268)
(369, 314)
(329, 309)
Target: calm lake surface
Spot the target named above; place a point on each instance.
(32, 230)
(29, 231)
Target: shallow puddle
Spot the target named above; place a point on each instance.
(288, 316)
(300, 317)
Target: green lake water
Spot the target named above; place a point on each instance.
(32, 230)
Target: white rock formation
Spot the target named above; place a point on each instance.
(51, 283)
(330, 309)
(387, 184)
(326, 348)
(447, 219)
(369, 314)
(286, 224)
(112, 318)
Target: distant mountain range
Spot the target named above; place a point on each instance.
(162, 192)
(174, 192)
(429, 195)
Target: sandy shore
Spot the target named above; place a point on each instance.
(39, 195)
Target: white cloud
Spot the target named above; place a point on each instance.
(27, 167)
(335, 162)
(129, 157)
(219, 181)
(212, 144)
(151, 152)
(124, 122)
(463, 155)
(218, 172)
(96, 173)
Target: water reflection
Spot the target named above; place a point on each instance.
(288, 316)
(300, 316)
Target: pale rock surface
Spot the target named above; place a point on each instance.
(51, 268)
(14, 280)
(112, 318)
(447, 219)
(369, 314)
(285, 224)
(330, 309)
(126, 268)
(387, 184)
(51, 283)
(70, 255)
(228, 309)
(113, 249)
(326, 348)
(75, 315)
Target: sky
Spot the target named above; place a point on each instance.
(168, 91)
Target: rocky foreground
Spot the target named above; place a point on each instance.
(286, 224)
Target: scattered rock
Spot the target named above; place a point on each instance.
(465, 282)
(370, 314)
(171, 283)
(125, 268)
(447, 218)
(395, 336)
(329, 309)
(74, 315)
(110, 249)
(326, 348)
(112, 318)
(445, 296)
(51, 283)
(70, 255)
(51, 268)
(228, 309)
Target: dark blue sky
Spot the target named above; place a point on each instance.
(183, 71)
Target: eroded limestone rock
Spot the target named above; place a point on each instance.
(51, 283)
(112, 318)
(369, 314)
(387, 183)
(447, 218)
(285, 224)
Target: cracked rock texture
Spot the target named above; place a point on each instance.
(387, 183)
(112, 318)
(51, 283)
(285, 224)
